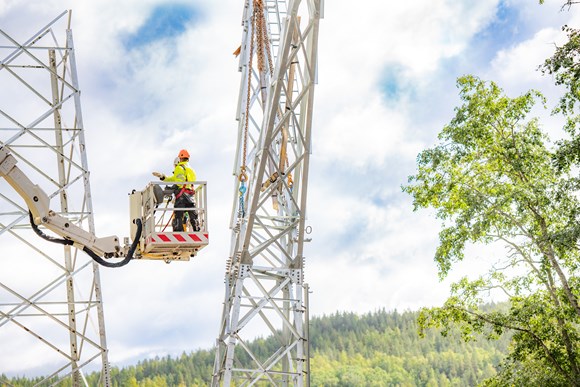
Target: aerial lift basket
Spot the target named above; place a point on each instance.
(155, 206)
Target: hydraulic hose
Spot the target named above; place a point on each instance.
(66, 242)
(129, 255)
(90, 252)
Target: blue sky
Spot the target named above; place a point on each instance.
(165, 22)
(505, 29)
(159, 75)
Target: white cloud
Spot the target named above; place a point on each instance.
(356, 123)
(517, 67)
(347, 135)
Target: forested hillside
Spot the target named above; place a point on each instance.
(376, 349)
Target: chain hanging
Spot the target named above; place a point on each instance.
(242, 176)
(259, 37)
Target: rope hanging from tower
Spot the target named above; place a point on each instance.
(260, 45)
(259, 36)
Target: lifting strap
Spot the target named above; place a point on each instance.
(184, 191)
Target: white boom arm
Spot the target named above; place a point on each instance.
(38, 204)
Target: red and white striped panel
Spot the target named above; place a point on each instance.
(178, 238)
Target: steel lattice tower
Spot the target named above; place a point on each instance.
(265, 292)
(50, 296)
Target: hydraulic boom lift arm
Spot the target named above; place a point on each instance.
(38, 204)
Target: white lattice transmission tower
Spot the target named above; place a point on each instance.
(50, 295)
(265, 292)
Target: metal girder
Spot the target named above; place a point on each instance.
(265, 292)
(50, 296)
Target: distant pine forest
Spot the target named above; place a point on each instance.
(376, 349)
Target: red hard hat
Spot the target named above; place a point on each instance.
(183, 154)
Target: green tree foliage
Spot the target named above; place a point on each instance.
(491, 178)
(376, 349)
(383, 349)
(564, 66)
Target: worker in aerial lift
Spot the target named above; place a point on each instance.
(183, 192)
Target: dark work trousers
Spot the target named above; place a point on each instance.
(185, 201)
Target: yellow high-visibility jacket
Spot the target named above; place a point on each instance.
(182, 172)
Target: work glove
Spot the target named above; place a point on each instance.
(159, 175)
